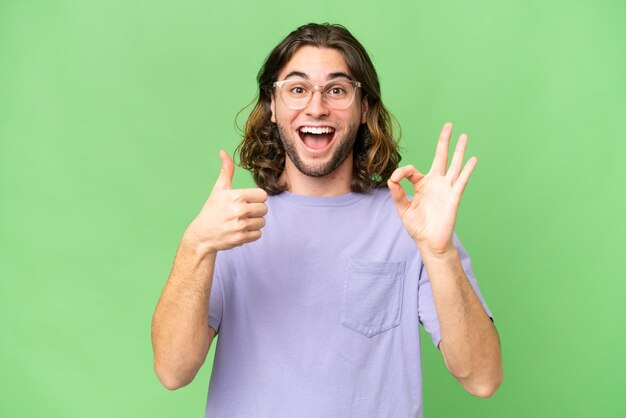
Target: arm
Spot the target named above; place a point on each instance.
(469, 341)
(181, 335)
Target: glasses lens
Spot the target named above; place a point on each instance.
(296, 93)
(337, 94)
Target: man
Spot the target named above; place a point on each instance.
(319, 315)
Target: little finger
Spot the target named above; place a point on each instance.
(249, 236)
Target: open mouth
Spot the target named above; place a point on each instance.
(316, 138)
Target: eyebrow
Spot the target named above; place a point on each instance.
(331, 76)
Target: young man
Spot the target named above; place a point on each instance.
(319, 315)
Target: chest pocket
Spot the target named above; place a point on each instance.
(372, 296)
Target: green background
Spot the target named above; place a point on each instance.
(112, 114)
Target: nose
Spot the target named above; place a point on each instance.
(317, 105)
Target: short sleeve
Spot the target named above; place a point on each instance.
(426, 304)
(216, 300)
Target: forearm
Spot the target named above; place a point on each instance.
(180, 329)
(469, 341)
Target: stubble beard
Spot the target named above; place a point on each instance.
(321, 169)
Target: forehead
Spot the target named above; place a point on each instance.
(316, 63)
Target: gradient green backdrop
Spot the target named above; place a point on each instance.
(112, 114)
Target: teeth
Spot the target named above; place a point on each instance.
(316, 130)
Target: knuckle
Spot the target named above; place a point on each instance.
(240, 225)
(237, 195)
(239, 237)
(238, 210)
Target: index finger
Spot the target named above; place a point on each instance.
(253, 195)
(409, 172)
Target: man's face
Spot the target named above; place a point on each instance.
(312, 153)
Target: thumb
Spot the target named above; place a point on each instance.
(225, 179)
(398, 194)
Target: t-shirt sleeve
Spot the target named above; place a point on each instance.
(426, 304)
(216, 299)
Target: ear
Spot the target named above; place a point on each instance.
(273, 109)
(364, 108)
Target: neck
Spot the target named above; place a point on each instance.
(334, 184)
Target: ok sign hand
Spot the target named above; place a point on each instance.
(430, 217)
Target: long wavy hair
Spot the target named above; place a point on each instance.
(375, 152)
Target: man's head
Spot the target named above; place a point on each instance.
(284, 125)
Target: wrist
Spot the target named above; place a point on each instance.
(445, 255)
(192, 245)
(443, 266)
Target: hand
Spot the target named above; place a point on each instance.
(430, 217)
(229, 218)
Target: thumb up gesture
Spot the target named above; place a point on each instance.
(229, 218)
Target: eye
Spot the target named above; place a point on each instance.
(337, 90)
(297, 89)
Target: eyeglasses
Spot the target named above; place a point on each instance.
(338, 94)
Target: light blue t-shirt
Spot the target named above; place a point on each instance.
(320, 317)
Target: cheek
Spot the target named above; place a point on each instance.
(285, 117)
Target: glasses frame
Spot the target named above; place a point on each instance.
(281, 83)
